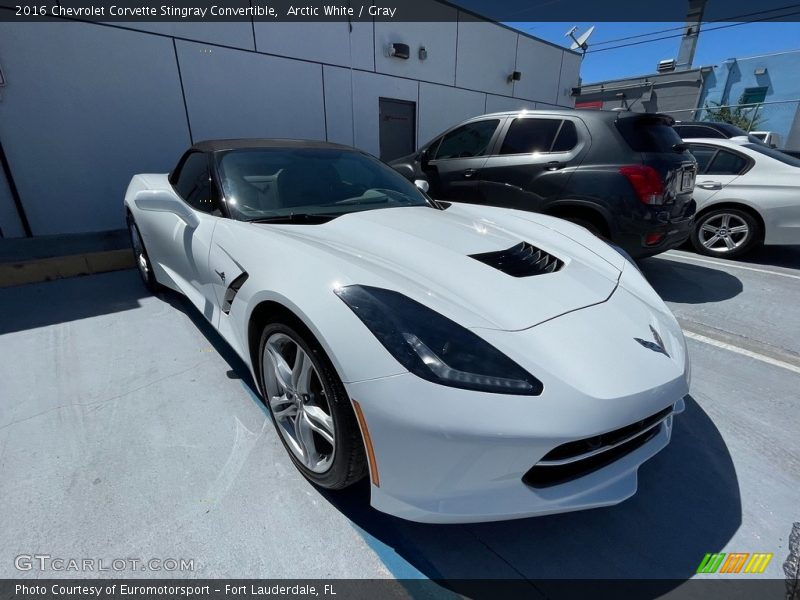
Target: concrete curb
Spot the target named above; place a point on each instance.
(60, 267)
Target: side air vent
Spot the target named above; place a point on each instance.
(231, 292)
(522, 260)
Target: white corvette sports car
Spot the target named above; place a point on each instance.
(477, 363)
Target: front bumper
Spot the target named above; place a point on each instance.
(468, 465)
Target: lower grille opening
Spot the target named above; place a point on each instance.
(544, 475)
(584, 446)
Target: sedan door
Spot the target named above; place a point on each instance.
(717, 169)
(453, 163)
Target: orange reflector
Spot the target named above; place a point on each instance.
(373, 466)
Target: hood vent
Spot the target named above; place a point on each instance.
(522, 260)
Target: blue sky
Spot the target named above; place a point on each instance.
(743, 40)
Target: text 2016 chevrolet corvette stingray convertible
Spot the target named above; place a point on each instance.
(477, 363)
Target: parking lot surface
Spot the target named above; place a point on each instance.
(128, 429)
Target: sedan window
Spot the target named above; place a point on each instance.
(726, 163)
(703, 156)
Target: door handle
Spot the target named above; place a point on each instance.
(554, 165)
(710, 185)
(220, 274)
(470, 172)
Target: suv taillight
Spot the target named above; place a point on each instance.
(646, 183)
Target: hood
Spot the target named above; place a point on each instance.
(428, 255)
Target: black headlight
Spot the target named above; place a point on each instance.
(435, 348)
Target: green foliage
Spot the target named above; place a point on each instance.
(744, 116)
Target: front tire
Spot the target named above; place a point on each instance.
(725, 233)
(143, 264)
(310, 408)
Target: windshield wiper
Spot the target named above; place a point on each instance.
(296, 218)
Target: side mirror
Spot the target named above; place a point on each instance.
(166, 201)
(424, 158)
(422, 185)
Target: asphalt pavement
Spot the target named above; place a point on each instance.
(128, 429)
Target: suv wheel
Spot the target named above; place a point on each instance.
(725, 232)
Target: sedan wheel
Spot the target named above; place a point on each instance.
(310, 409)
(725, 232)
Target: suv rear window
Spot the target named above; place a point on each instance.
(647, 134)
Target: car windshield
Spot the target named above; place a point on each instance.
(775, 154)
(290, 184)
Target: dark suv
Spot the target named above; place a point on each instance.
(626, 176)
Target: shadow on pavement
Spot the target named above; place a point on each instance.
(689, 283)
(776, 256)
(238, 370)
(53, 302)
(688, 504)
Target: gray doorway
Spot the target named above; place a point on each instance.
(398, 125)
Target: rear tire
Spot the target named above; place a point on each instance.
(143, 264)
(310, 408)
(725, 233)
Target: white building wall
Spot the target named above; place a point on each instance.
(441, 107)
(329, 43)
(487, 55)
(439, 40)
(232, 94)
(235, 34)
(87, 106)
(84, 108)
(540, 66)
(570, 77)
(503, 103)
(338, 84)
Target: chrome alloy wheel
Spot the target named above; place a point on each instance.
(138, 251)
(298, 402)
(724, 232)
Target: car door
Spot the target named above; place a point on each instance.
(717, 169)
(452, 164)
(528, 167)
(182, 250)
